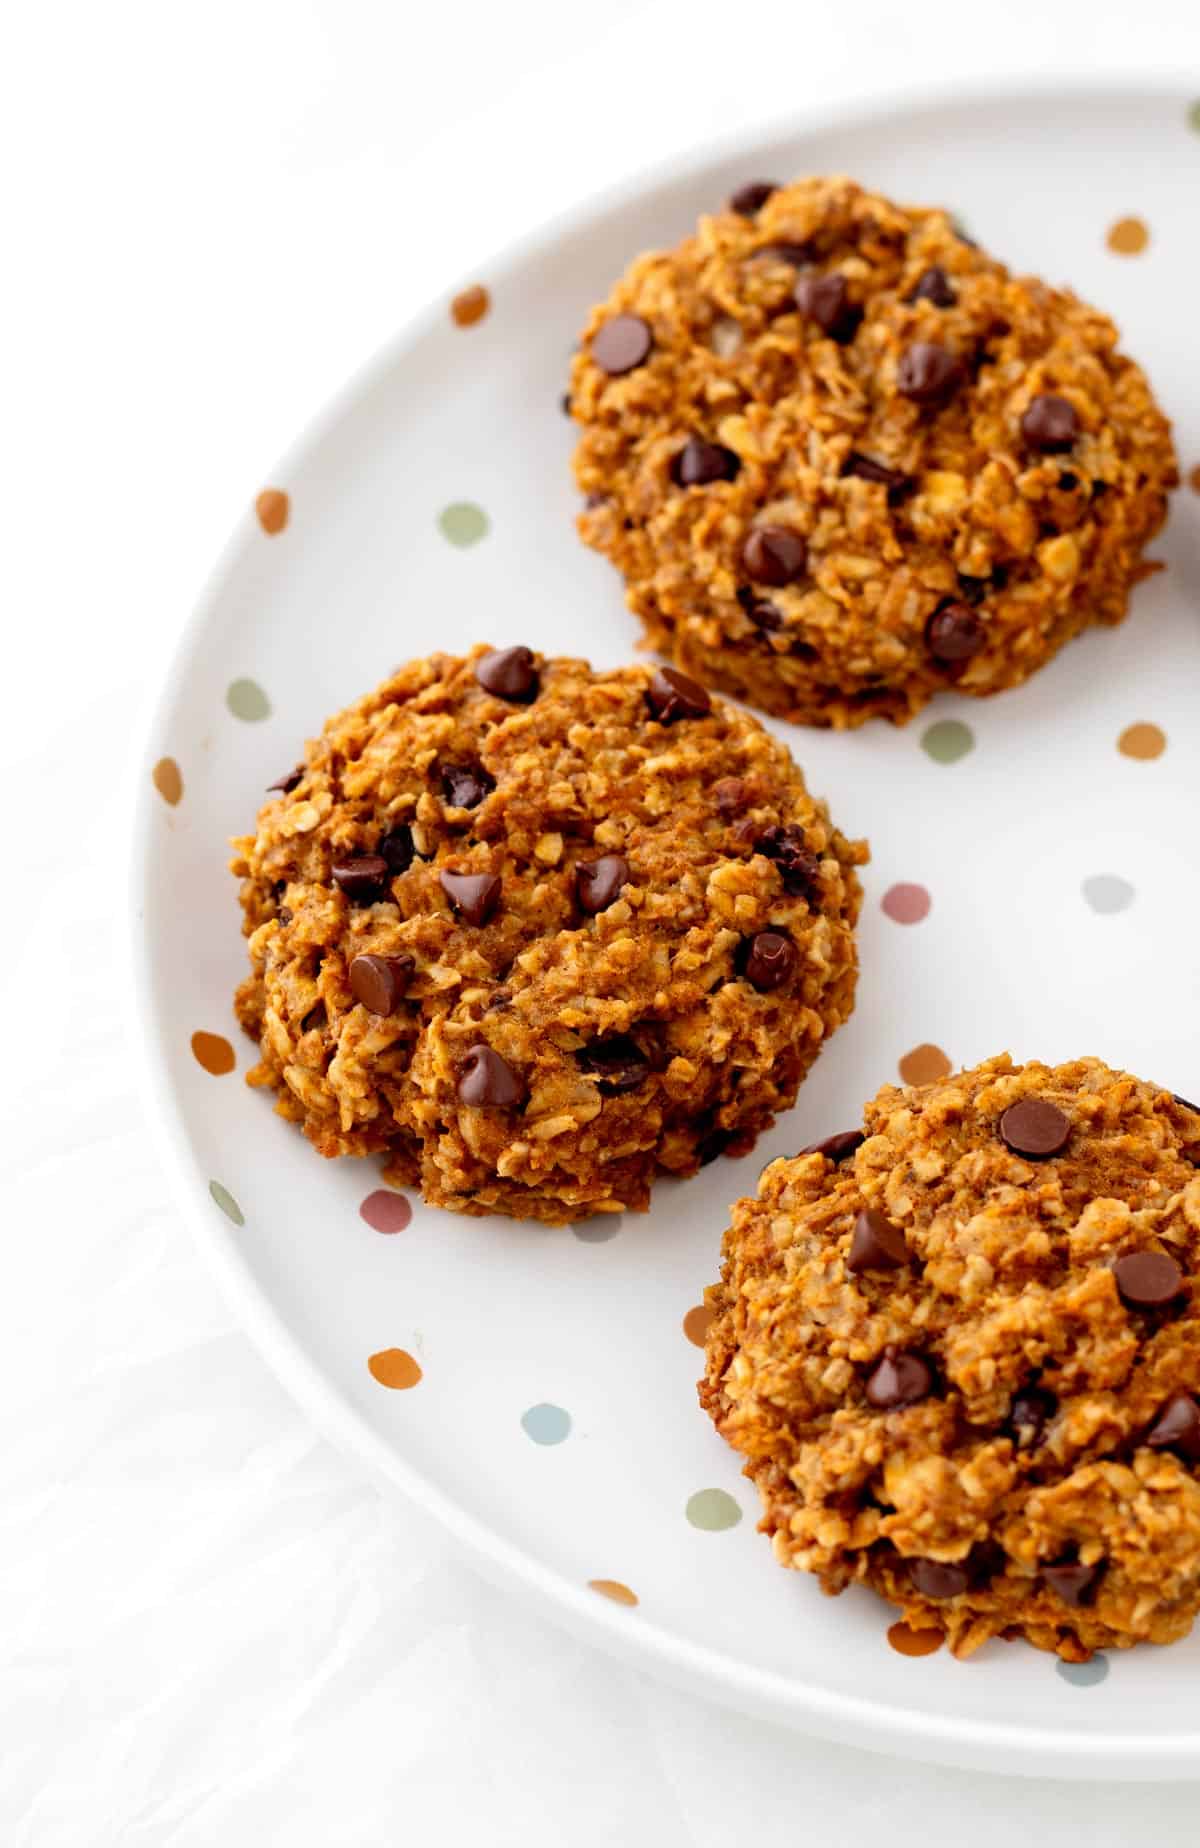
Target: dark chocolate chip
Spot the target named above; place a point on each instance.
(936, 1578)
(361, 876)
(933, 285)
(1035, 1127)
(1148, 1279)
(783, 250)
(715, 1143)
(465, 785)
(509, 673)
(286, 784)
(397, 848)
(489, 1082)
(1029, 1414)
(1067, 481)
(1050, 423)
(621, 344)
(731, 795)
(973, 589)
(774, 555)
(837, 1148)
(898, 1379)
(564, 404)
(1177, 1427)
(598, 882)
(502, 997)
(770, 961)
(877, 1244)
(285, 915)
(474, 896)
(826, 300)
(867, 469)
(616, 1063)
(379, 982)
(699, 462)
(762, 614)
(954, 633)
(799, 868)
(1071, 1580)
(672, 695)
(929, 373)
(749, 199)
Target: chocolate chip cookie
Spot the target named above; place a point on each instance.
(960, 1349)
(535, 934)
(844, 460)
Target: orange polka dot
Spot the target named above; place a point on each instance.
(613, 1588)
(470, 306)
(272, 508)
(168, 780)
(214, 1053)
(1144, 742)
(908, 1642)
(924, 1064)
(1128, 237)
(697, 1322)
(1194, 479)
(394, 1367)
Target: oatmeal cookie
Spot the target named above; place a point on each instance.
(844, 460)
(961, 1353)
(534, 933)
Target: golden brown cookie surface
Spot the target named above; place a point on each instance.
(962, 1356)
(844, 460)
(537, 933)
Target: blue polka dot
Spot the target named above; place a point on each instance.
(1084, 1674)
(546, 1424)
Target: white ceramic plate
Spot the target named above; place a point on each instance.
(502, 1318)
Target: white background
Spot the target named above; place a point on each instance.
(212, 1630)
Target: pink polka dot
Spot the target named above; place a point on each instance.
(906, 904)
(385, 1211)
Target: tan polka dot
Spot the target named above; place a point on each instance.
(1128, 237)
(1194, 479)
(471, 306)
(214, 1053)
(914, 1642)
(1142, 741)
(394, 1367)
(697, 1322)
(168, 780)
(613, 1588)
(924, 1064)
(272, 508)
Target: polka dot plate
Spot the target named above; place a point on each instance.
(1034, 885)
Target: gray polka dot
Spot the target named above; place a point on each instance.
(1084, 1674)
(599, 1230)
(1106, 893)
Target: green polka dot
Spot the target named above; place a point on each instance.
(1193, 116)
(246, 700)
(947, 741)
(1084, 1674)
(712, 1510)
(227, 1203)
(463, 523)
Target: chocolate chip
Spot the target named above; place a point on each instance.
(1071, 1580)
(672, 695)
(826, 300)
(898, 1379)
(1035, 1127)
(1029, 1414)
(929, 373)
(379, 982)
(771, 961)
(762, 614)
(564, 404)
(774, 555)
(465, 785)
(867, 469)
(474, 896)
(877, 1244)
(286, 784)
(1050, 423)
(974, 589)
(837, 1148)
(489, 1082)
(799, 869)
(1147, 1279)
(731, 795)
(936, 1578)
(1067, 482)
(621, 344)
(397, 848)
(509, 673)
(785, 251)
(715, 1143)
(954, 633)
(699, 462)
(616, 1063)
(501, 997)
(598, 882)
(1177, 1427)
(749, 199)
(933, 285)
(361, 876)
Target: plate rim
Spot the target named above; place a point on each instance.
(638, 1641)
